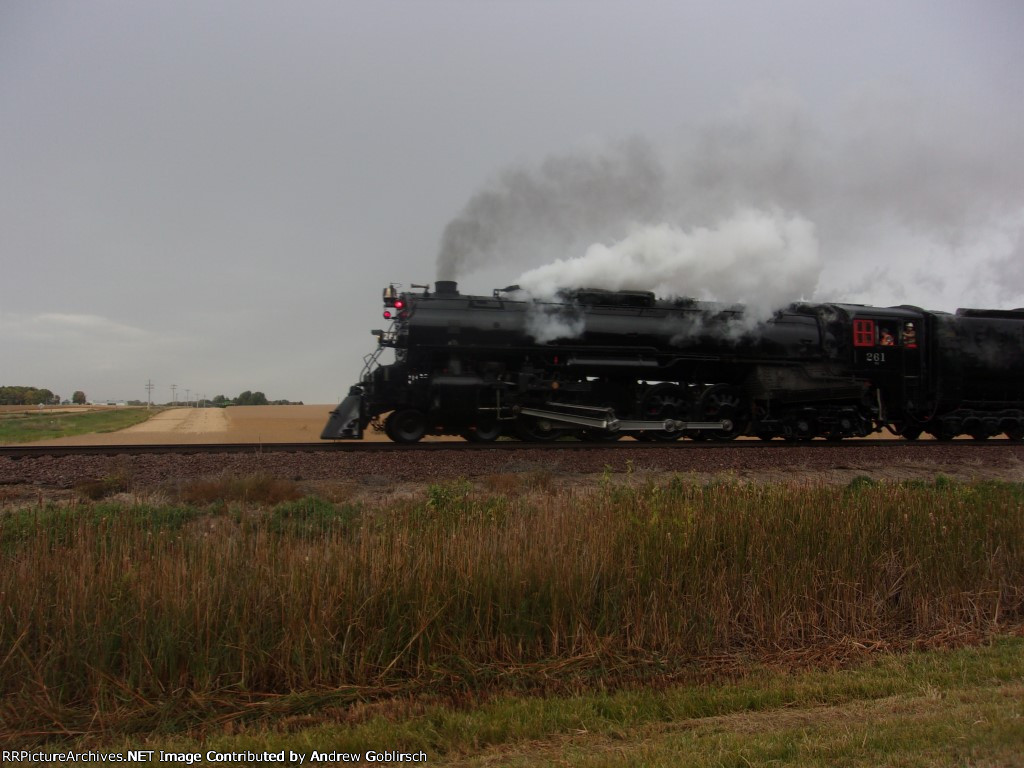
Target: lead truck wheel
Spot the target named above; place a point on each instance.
(406, 426)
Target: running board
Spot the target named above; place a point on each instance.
(612, 424)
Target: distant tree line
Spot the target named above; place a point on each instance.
(249, 398)
(27, 396)
(37, 396)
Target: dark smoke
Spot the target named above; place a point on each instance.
(569, 201)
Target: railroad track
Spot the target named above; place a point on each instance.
(35, 451)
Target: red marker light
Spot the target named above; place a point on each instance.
(387, 315)
(399, 303)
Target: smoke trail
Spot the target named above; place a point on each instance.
(564, 205)
(910, 203)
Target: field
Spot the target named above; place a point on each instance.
(21, 424)
(629, 622)
(756, 616)
(237, 424)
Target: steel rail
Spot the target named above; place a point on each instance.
(56, 451)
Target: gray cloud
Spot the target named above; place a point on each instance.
(237, 180)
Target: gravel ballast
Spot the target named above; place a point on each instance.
(818, 462)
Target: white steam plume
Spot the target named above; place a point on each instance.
(762, 259)
(547, 322)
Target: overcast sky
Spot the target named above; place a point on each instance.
(213, 194)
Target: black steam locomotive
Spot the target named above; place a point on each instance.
(602, 364)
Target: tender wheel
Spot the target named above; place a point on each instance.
(487, 430)
(407, 425)
(805, 429)
(661, 402)
(723, 403)
(907, 430)
(1015, 433)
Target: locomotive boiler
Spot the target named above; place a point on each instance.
(599, 365)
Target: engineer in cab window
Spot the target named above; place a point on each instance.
(887, 339)
(909, 336)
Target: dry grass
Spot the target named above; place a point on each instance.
(122, 616)
(95, 489)
(248, 489)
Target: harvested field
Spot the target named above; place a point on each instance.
(237, 424)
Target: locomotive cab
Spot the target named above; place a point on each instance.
(887, 352)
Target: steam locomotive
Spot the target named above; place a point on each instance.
(599, 365)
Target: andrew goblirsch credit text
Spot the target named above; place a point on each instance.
(284, 757)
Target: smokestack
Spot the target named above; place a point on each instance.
(446, 288)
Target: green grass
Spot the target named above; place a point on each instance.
(25, 427)
(130, 617)
(937, 708)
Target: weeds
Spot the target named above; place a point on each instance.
(311, 516)
(251, 489)
(165, 610)
(95, 489)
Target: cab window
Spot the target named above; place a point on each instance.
(888, 333)
(863, 333)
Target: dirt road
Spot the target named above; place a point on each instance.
(237, 424)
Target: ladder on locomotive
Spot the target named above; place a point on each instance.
(384, 339)
(370, 363)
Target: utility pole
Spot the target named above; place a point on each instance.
(149, 394)
(174, 394)
(188, 402)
